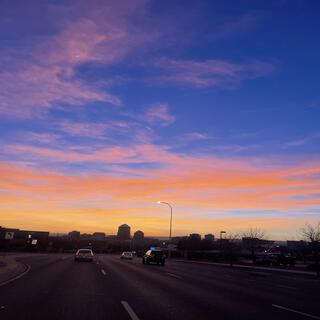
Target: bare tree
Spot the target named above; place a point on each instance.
(230, 247)
(252, 239)
(311, 233)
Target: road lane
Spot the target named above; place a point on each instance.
(169, 297)
(235, 293)
(59, 288)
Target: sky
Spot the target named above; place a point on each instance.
(107, 107)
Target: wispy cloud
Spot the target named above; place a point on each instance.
(196, 136)
(158, 113)
(46, 77)
(203, 182)
(302, 141)
(41, 137)
(91, 129)
(31, 91)
(208, 73)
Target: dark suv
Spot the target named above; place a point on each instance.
(155, 256)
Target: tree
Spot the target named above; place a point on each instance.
(311, 233)
(252, 239)
(230, 248)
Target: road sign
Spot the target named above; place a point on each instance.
(9, 235)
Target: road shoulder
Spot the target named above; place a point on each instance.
(11, 269)
(310, 273)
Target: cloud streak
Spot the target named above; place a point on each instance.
(208, 73)
(158, 113)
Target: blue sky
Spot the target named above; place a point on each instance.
(133, 91)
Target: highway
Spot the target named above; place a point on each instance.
(56, 287)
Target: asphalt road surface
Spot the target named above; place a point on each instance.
(56, 287)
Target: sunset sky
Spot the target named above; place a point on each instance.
(108, 106)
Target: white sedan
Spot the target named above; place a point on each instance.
(126, 255)
(84, 255)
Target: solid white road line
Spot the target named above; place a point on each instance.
(103, 272)
(174, 276)
(249, 267)
(131, 313)
(17, 277)
(295, 311)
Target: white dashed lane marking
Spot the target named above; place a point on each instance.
(131, 313)
(174, 275)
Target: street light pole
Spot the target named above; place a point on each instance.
(170, 232)
(221, 232)
(169, 205)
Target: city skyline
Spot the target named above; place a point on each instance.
(108, 108)
(210, 235)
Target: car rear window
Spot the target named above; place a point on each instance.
(85, 251)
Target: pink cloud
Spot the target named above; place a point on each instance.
(91, 129)
(209, 73)
(45, 77)
(33, 90)
(158, 113)
(43, 138)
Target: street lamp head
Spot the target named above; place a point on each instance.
(158, 202)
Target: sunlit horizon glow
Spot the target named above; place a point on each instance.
(107, 108)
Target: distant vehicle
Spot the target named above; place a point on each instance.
(262, 259)
(154, 256)
(275, 259)
(126, 255)
(84, 255)
(283, 259)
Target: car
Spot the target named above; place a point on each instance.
(282, 259)
(126, 255)
(154, 256)
(84, 255)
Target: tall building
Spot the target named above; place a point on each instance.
(124, 232)
(74, 235)
(138, 236)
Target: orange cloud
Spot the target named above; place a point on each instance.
(199, 187)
